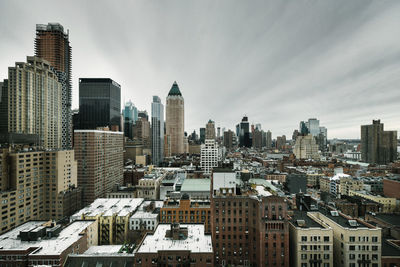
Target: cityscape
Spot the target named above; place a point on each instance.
(105, 178)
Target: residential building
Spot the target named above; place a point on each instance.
(391, 187)
(269, 139)
(99, 103)
(249, 224)
(186, 210)
(141, 132)
(52, 45)
(146, 218)
(210, 130)
(157, 131)
(311, 241)
(100, 161)
(306, 147)
(378, 146)
(209, 155)
(32, 102)
(257, 139)
(280, 142)
(42, 184)
(41, 243)
(149, 186)
(389, 204)
(355, 242)
(112, 217)
(176, 244)
(175, 120)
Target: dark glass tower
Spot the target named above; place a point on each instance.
(99, 103)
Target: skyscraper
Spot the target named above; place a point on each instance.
(209, 156)
(202, 135)
(175, 120)
(99, 103)
(244, 133)
(269, 139)
(378, 146)
(210, 130)
(130, 117)
(157, 130)
(31, 104)
(52, 44)
(313, 127)
(228, 139)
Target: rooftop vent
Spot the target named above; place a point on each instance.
(334, 213)
(301, 223)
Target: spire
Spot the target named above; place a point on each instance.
(175, 90)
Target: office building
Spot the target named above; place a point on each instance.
(249, 224)
(313, 127)
(99, 103)
(32, 101)
(243, 129)
(228, 139)
(175, 120)
(176, 245)
(306, 147)
(209, 155)
(141, 132)
(157, 130)
(202, 135)
(257, 139)
(100, 162)
(378, 146)
(130, 114)
(210, 130)
(42, 184)
(269, 139)
(52, 45)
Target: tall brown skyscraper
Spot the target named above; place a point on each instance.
(175, 120)
(52, 44)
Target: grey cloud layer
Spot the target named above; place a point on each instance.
(279, 62)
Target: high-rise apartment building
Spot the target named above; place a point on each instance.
(100, 162)
(306, 147)
(378, 146)
(269, 139)
(280, 142)
(157, 130)
(249, 226)
(141, 132)
(257, 139)
(99, 103)
(209, 155)
(52, 45)
(31, 103)
(175, 120)
(36, 185)
(210, 130)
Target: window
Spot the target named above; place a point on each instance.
(304, 239)
(303, 256)
(326, 238)
(374, 239)
(352, 239)
(326, 256)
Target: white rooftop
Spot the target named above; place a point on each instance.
(142, 214)
(262, 192)
(196, 241)
(53, 246)
(340, 175)
(108, 207)
(101, 250)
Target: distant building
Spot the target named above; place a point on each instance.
(99, 103)
(52, 45)
(280, 142)
(269, 139)
(141, 132)
(100, 162)
(175, 120)
(149, 186)
(306, 147)
(209, 156)
(391, 187)
(130, 115)
(257, 139)
(244, 133)
(378, 146)
(228, 139)
(157, 131)
(202, 135)
(210, 130)
(176, 244)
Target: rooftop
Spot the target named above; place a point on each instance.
(51, 246)
(302, 216)
(345, 222)
(390, 247)
(196, 185)
(393, 219)
(196, 240)
(108, 207)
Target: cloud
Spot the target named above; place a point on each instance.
(278, 62)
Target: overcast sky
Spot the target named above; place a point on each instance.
(278, 62)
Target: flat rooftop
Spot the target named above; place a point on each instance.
(196, 185)
(393, 219)
(302, 215)
(390, 247)
(341, 220)
(108, 207)
(196, 242)
(52, 246)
